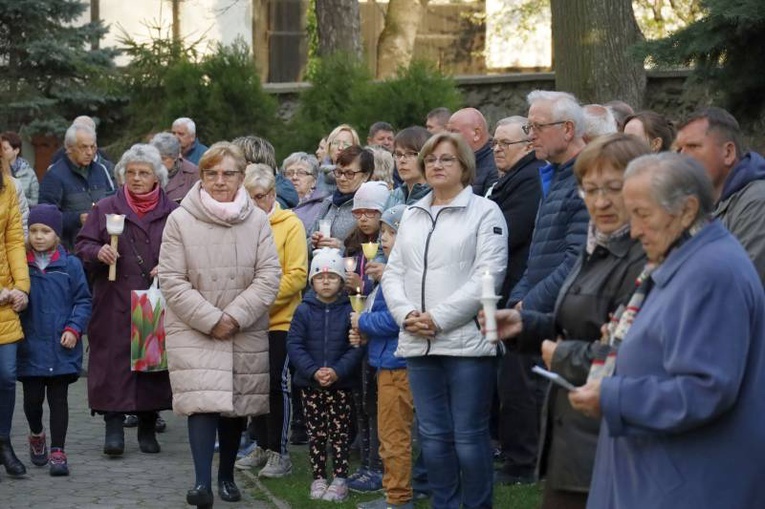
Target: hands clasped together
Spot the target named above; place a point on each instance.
(225, 328)
(15, 297)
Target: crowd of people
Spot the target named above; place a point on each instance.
(338, 300)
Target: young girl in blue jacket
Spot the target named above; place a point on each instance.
(50, 356)
(395, 408)
(326, 369)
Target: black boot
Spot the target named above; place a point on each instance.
(13, 466)
(114, 441)
(147, 433)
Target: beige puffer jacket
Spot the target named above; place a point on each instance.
(208, 266)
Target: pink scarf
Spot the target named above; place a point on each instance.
(142, 204)
(228, 212)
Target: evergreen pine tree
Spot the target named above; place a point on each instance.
(48, 71)
(726, 48)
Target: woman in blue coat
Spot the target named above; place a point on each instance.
(682, 414)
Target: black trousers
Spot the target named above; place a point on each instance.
(57, 390)
(270, 431)
(521, 394)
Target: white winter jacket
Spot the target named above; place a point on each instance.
(436, 266)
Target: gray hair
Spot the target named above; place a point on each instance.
(304, 158)
(85, 120)
(145, 154)
(259, 175)
(70, 138)
(514, 120)
(564, 107)
(167, 144)
(383, 166)
(674, 178)
(598, 121)
(186, 121)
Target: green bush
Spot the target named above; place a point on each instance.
(220, 91)
(343, 92)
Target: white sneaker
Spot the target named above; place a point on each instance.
(256, 459)
(337, 491)
(277, 466)
(318, 488)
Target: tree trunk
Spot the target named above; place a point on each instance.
(591, 39)
(260, 31)
(95, 17)
(176, 21)
(396, 43)
(339, 27)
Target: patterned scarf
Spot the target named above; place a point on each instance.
(604, 362)
(595, 238)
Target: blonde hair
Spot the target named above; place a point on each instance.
(217, 152)
(259, 175)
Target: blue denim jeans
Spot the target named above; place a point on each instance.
(7, 387)
(452, 398)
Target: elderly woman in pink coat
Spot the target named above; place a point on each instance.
(219, 273)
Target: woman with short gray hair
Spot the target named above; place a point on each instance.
(181, 173)
(302, 170)
(113, 389)
(682, 411)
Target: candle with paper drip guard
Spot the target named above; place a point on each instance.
(370, 250)
(489, 301)
(350, 263)
(115, 225)
(357, 303)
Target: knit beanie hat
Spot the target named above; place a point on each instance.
(392, 216)
(49, 215)
(327, 260)
(372, 196)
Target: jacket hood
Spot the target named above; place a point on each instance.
(279, 215)
(751, 167)
(193, 203)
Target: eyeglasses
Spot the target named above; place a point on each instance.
(446, 161)
(539, 127)
(368, 213)
(258, 197)
(405, 155)
(297, 173)
(340, 144)
(347, 174)
(212, 176)
(610, 190)
(143, 175)
(504, 144)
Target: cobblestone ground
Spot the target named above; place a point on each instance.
(97, 481)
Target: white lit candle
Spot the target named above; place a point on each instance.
(489, 301)
(487, 285)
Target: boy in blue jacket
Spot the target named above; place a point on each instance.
(50, 357)
(395, 408)
(326, 370)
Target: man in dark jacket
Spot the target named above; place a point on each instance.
(186, 131)
(471, 124)
(712, 136)
(100, 156)
(555, 128)
(76, 182)
(517, 192)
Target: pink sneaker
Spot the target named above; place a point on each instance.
(318, 488)
(337, 491)
(38, 449)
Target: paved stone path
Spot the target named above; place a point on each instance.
(136, 480)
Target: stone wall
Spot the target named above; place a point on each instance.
(499, 96)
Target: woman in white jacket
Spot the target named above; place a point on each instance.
(446, 242)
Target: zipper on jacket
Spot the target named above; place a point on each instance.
(326, 329)
(425, 264)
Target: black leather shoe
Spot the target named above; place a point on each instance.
(200, 496)
(13, 466)
(229, 492)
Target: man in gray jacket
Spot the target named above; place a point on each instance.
(713, 137)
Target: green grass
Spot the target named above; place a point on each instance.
(294, 489)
